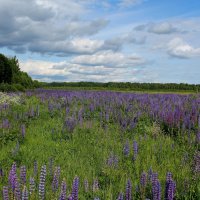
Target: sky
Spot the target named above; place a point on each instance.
(103, 40)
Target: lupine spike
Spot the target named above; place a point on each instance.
(23, 175)
(63, 195)
(86, 185)
(12, 177)
(17, 192)
(121, 196)
(126, 148)
(75, 188)
(95, 185)
(128, 190)
(5, 193)
(42, 183)
(25, 194)
(31, 185)
(143, 180)
(55, 182)
(170, 187)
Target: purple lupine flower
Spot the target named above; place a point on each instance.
(121, 196)
(128, 190)
(5, 193)
(31, 185)
(170, 187)
(95, 186)
(135, 150)
(96, 198)
(143, 180)
(63, 195)
(70, 124)
(23, 175)
(17, 192)
(70, 197)
(86, 185)
(5, 124)
(42, 183)
(171, 190)
(112, 161)
(156, 188)
(75, 188)
(55, 181)
(23, 130)
(12, 177)
(168, 180)
(126, 148)
(25, 194)
(35, 170)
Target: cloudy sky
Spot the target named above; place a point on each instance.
(103, 40)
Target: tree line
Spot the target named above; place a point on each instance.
(129, 86)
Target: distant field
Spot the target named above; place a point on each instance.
(124, 90)
(60, 144)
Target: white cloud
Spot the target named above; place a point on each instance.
(35, 24)
(43, 68)
(181, 49)
(161, 28)
(109, 59)
(102, 66)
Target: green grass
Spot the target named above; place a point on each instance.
(85, 152)
(152, 91)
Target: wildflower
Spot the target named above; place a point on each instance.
(75, 188)
(128, 190)
(42, 183)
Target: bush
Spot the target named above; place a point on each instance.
(19, 87)
(5, 87)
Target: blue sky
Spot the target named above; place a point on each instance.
(108, 40)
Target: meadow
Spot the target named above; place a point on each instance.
(57, 144)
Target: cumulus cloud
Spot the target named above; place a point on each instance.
(117, 43)
(181, 49)
(101, 66)
(39, 25)
(109, 59)
(67, 48)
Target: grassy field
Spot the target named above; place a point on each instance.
(122, 90)
(100, 144)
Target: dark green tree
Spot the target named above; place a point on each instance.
(5, 70)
